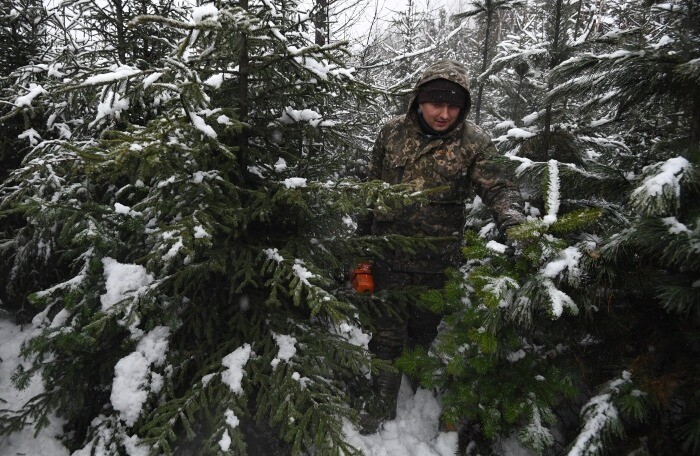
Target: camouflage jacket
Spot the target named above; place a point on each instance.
(452, 164)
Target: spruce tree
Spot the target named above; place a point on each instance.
(584, 340)
(24, 42)
(504, 363)
(649, 268)
(487, 9)
(39, 95)
(196, 231)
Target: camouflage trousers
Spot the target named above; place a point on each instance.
(417, 328)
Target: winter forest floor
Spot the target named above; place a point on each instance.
(413, 433)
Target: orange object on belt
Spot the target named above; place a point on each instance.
(361, 276)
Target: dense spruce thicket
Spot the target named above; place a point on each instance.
(180, 197)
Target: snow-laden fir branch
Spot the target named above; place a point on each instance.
(660, 190)
(600, 416)
(553, 192)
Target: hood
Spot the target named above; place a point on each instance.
(444, 69)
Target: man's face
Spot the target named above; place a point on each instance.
(439, 116)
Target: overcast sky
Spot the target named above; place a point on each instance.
(362, 13)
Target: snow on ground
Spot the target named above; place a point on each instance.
(23, 443)
(414, 432)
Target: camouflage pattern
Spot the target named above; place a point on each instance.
(451, 164)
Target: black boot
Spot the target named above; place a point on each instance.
(387, 343)
(381, 406)
(387, 385)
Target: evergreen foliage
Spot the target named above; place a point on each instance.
(197, 156)
(24, 41)
(504, 361)
(194, 230)
(488, 10)
(599, 301)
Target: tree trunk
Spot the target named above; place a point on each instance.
(321, 22)
(484, 62)
(578, 20)
(516, 106)
(554, 61)
(694, 146)
(119, 24)
(243, 98)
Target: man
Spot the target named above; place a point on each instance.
(431, 147)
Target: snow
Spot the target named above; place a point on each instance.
(200, 232)
(273, 254)
(122, 281)
(553, 196)
(414, 432)
(26, 100)
(234, 363)
(485, 231)
(280, 165)
(496, 246)
(174, 249)
(69, 284)
(232, 421)
(530, 118)
(558, 299)
(117, 73)
(199, 176)
(674, 226)
(506, 124)
(663, 176)
(133, 378)
(125, 210)
(515, 133)
(313, 118)
(598, 414)
(663, 41)
(621, 54)
(23, 442)
(224, 120)
(151, 79)
(602, 121)
(32, 135)
(225, 442)
(520, 133)
(353, 334)
(272, 8)
(231, 418)
(303, 273)
(205, 12)
(569, 259)
(215, 80)
(525, 163)
(320, 68)
(201, 125)
(286, 346)
(516, 356)
(295, 182)
(349, 222)
(541, 435)
(112, 104)
(501, 288)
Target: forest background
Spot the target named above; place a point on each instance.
(181, 190)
